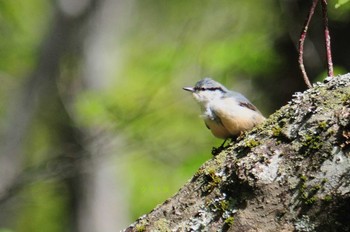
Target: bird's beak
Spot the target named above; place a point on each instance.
(190, 89)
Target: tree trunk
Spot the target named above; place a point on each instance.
(289, 174)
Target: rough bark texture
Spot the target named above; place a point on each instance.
(290, 174)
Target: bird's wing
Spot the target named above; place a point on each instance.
(243, 101)
(236, 114)
(249, 106)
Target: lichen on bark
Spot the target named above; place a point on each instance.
(289, 174)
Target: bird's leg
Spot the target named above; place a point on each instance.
(223, 144)
(217, 150)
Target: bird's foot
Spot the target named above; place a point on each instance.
(216, 150)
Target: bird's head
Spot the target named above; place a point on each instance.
(207, 90)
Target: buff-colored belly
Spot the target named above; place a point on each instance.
(233, 126)
(217, 129)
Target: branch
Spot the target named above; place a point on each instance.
(289, 174)
(301, 43)
(327, 39)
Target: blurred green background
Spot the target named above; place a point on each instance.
(95, 127)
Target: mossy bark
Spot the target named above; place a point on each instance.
(289, 174)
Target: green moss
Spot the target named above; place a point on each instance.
(308, 194)
(276, 131)
(224, 205)
(215, 178)
(209, 173)
(229, 221)
(310, 200)
(212, 180)
(311, 143)
(252, 143)
(328, 198)
(219, 206)
(322, 125)
(140, 228)
(315, 188)
(303, 178)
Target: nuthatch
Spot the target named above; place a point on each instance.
(226, 113)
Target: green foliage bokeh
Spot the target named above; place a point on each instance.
(166, 45)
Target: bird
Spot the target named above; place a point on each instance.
(226, 113)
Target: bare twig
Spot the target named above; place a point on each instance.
(302, 40)
(327, 39)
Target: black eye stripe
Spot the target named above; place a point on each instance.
(199, 88)
(210, 89)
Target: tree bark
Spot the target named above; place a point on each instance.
(289, 174)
